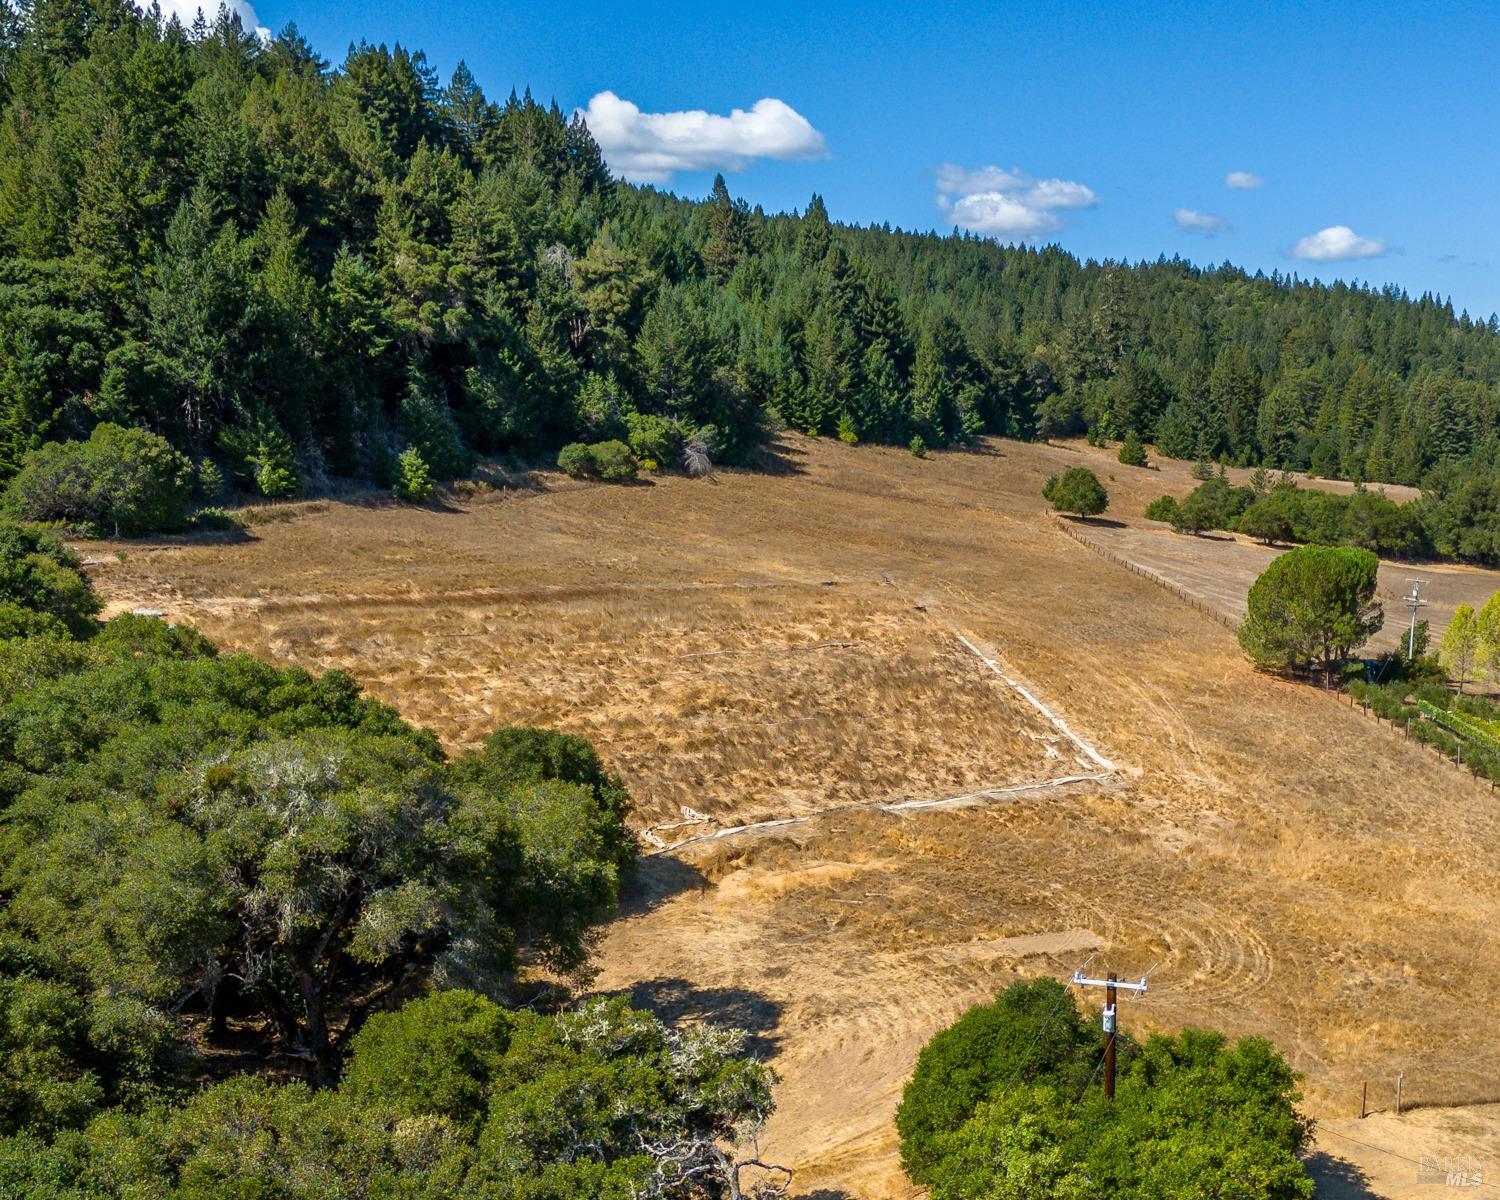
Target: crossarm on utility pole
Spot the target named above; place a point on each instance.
(1111, 982)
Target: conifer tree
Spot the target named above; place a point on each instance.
(413, 483)
(728, 232)
(815, 233)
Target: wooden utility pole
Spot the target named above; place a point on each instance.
(1110, 985)
(1109, 1038)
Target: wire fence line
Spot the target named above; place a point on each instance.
(1147, 573)
(1422, 735)
(1427, 1085)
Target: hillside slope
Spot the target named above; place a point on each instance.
(1289, 868)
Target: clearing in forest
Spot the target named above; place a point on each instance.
(764, 644)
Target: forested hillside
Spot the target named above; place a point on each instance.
(294, 271)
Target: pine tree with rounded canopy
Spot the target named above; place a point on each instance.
(1077, 490)
(1311, 609)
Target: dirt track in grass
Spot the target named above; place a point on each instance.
(769, 644)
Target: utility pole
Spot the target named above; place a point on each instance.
(1414, 602)
(1110, 986)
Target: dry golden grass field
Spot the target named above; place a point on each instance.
(759, 646)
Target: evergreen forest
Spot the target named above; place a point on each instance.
(295, 272)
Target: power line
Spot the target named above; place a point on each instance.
(1322, 1129)
(1036, 1038)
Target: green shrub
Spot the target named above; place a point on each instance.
(216, 520)
(917, 447)
(1195, 513)
(848, 433)
(40, 574)
(119, 482)
(437, 1054)
(19, 622)
(1213, 504)
(1268, 519)
(1076, 490)
(138, 636)
(413, 483)
(1031, 1031)
(577, 460)
(613, 461)
(1163, 508)
(1004, 1105)
(1372, 521)
(1132, 453)
(651, 437)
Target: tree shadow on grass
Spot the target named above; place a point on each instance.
(984, 448)
(656, 880)
(680, 1002)
(1098, 522)
(1337, 1179)
(779, 456)
(235, 536)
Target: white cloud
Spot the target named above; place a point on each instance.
(1199, 222)
(1011, 203)
(186, 11)
(1337, 243)
(1243, 180)
(650, 147)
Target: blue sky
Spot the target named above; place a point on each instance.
(1372, 126)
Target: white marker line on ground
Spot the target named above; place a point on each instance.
(873, 806)
(1056, 720)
